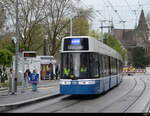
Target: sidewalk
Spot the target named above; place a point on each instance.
(46, 89)
(41, 84)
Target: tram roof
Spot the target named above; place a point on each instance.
(97, 46)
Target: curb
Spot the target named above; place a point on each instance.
(8, 107)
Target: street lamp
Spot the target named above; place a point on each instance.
(14, 40)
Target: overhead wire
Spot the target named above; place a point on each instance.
(130, 8)
(111, 19)
(115, 10)
(103, 19)
(99, 13)
(96, 13)
(133, 11)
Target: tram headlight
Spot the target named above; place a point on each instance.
(86, 82)
(65, 82)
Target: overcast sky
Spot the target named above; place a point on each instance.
(126, 10)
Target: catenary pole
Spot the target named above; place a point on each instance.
(16, 49)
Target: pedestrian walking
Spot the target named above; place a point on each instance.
(26, 78)
(34, 80)
(51, 74)
(28, 71)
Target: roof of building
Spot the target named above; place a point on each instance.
(129, 35)
(142, 25)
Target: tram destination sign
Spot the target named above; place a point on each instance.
(74, 44)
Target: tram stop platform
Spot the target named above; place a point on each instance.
(46, 90)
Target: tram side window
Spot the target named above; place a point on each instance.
(113, 66)
(103, 61)
(120, 67)
(104, 66)
(116, 69)
(100, 66)
(94, 65)
(107, 66)
(115, 61)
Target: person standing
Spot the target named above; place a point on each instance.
(34, 80)
(56, 71)
(51, 74)
(26, 78)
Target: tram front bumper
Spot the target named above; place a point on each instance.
(80, 88)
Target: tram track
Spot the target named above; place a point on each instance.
(140, 95)
(61, 102)
(67, 106)
(14, 107)
(55, 105)
(126, 102)
(67, 103)
(127, 107)
(77, 102)
(106, 107)
(49, 105)
(147, 107)
(71, 104)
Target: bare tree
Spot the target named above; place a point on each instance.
(2, 15)
(55, 24)
(31, 13)
(53, 15)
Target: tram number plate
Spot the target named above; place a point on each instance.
(74, 83)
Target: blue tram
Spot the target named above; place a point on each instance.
(88, 66)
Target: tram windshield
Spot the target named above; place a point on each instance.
(79, 66)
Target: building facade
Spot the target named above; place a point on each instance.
(132, 38)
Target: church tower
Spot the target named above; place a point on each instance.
(142, 30)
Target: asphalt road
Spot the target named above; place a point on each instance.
(130, 96)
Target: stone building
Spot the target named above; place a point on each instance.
(131, 38)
